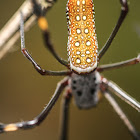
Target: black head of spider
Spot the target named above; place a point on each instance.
(85, 89)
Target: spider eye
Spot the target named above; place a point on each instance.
(74, 81)
(92, 91)
(94, 78)
(79, 93)
(74, 87)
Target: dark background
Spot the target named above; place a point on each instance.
(24, 93)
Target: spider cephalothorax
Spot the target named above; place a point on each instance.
(85, 89)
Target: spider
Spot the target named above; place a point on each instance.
(82, 81)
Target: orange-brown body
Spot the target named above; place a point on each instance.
(82, 41)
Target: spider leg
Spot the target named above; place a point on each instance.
(121, 94)
(65, 115)
(28, 56)
(132, 61)
(41, 117)
(124, 11)
(122, 115)
(43, 25)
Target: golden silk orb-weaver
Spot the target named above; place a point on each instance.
(83, 79)
(82, 40)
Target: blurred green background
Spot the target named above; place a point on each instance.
(24, 93)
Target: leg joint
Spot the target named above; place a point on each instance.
(124, 5)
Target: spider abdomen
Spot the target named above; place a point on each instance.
(82, 41)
